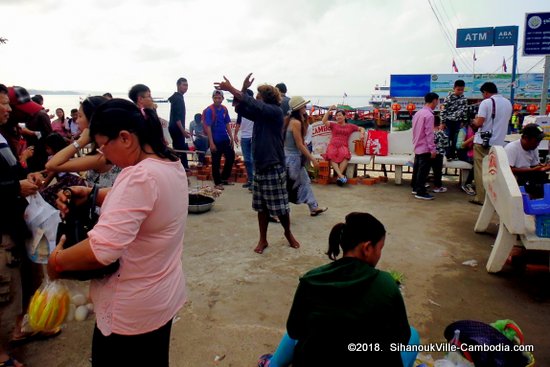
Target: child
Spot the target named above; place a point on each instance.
(441, 144)
(465, 152)
(345, 302)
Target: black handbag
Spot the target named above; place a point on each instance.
(75, 227)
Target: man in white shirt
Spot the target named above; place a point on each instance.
(523, 156)
(492, 121)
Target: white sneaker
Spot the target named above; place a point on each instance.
(440, 189)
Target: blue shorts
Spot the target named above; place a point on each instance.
(269, 191)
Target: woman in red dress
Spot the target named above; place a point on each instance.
(338, 149)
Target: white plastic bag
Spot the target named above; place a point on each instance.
(42, 220)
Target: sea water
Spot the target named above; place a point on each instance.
(194, 103)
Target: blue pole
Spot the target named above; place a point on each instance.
(514, 67)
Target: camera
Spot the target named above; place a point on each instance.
(485, 137)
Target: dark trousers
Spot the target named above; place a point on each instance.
(533, 182)
(149, 349)
(202, 145)
(222, 148)
(421, 170)
(452, 132)
(437, 168)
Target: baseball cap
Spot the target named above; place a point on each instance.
(21, 100)
(217, 93)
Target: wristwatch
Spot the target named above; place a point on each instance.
(76, 145)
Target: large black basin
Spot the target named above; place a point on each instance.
(200, 203)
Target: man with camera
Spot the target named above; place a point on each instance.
(492, 123)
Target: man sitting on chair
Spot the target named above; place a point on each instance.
(523, 156)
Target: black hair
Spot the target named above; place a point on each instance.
(108, 95)
(56, 142)
(343, 113)
(430, 97)
(115, 115)
(37, 98)
(90, 104)
(489, 87)
(74, 110)
(197, 117)
(138, 90)
(358, 228)
(281, 87)
(459, 83)
(298, 116)
(531, 131)
(181, 80)
(3, 89)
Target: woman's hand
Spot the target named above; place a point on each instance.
(53, 266)
(37, 178)
(27, 188)
(331, 108)
(247, 83)
(84, 138)
(315, 163)
(27, 153)
(77, 194)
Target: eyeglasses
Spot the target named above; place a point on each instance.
(102, 147)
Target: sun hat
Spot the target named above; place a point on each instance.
(297, 102)
(21, 100)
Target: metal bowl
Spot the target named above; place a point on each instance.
(200, 203)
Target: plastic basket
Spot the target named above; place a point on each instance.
(542, 225)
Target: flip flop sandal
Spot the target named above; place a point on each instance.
(318, 211)
(29, 337)
(265, 360)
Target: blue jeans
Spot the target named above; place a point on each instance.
(285, 351)
(246, 145)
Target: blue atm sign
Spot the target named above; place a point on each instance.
(506, 36)
(474, 37)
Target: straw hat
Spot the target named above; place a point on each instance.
(297, 102)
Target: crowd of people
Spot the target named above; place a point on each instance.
(121, 147)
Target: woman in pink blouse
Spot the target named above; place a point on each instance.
(338, 149)
(142, 225)
(58, 125)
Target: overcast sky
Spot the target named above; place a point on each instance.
(318, 47)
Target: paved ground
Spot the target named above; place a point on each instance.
(239, 300)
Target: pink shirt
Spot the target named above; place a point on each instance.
(142, 223)
(423, 131)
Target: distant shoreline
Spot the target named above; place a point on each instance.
(56, 92)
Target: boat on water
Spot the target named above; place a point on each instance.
(160, 100)
(381, 96)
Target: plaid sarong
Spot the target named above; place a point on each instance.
(269, 191)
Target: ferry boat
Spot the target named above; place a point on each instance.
(381, 96)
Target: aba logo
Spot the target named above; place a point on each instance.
(534, 22)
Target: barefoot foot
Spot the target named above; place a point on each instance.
(260, 248)
(292, 242)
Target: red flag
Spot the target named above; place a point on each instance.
(504, 67)
(455, 69)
